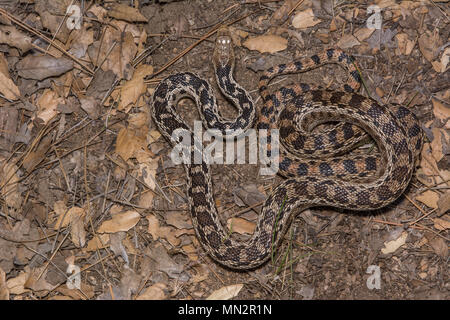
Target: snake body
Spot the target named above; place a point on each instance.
(324, 176)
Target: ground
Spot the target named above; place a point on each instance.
(87, 182)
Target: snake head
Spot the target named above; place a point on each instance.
(223, 49)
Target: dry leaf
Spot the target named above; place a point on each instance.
(124, 12)
(438, 244)
(429, 43)
(444, 203)
(7, 87)
(226, 293)
(120, 222)
(429, 198)
(241, 225)
(48, 104)
(130, 141)
(441, 224)
(9, 184)
(16, 285)
(98, 242)
(43, 66)
(4, 292)
(348, 41)
(154, 292)
(440, 111)
(363, 33)
(157, 231)
(266, 43)
(14, 38)
(135, 87)
(72, 215)
(392, 246)
(305, 19)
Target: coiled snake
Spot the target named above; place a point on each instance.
(323, 176)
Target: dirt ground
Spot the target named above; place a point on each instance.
(87, 184)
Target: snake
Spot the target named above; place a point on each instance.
(321, 172)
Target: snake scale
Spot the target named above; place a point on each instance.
(319, 173)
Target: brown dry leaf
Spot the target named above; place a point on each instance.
(241, 225)
(226, 293)
(190, 251)
(438, 244)
(178, 220)
(444, 203)
(124, 12)
(14, 38)
(441, 66)
(392, 246)
(71, 216)
(429, 44)
(429, 198)
(43, 66)
(266, 43)
(37, 284)
(405, 46)
(7, 87)
(119, 58)
(100, 241)
(147, 167)
(281, 13)
(305, 19)
(120, 222)
(16, 285)
(47, 105)
(154, 292)
(157, 231)
(35, 157)
(440, 111)
(363, 33)
(129, 142)
(9, 185)
(4, 292)
(439, 135)
(85, 292)
(146, 200)
(52, 13)
(135, 87)
(348, 41)
(91, 106)
(441, 224)
(77, 231)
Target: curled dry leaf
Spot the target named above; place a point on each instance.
(129, 142)
(43, 66)
(7, 87)
(440, 111)
(348, 41)
(226, 293)
(4, 292)
(135, 87)
(305, 19)
(438, 244)
(124, 12)
(392, 246)
(64, 219)
(9, 184)
(120, 222)
(441, 224)
(48, 104)
(14, 38)
(266, 43)
(429, 198)
(154, 292)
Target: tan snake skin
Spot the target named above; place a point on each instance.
(320, 181)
